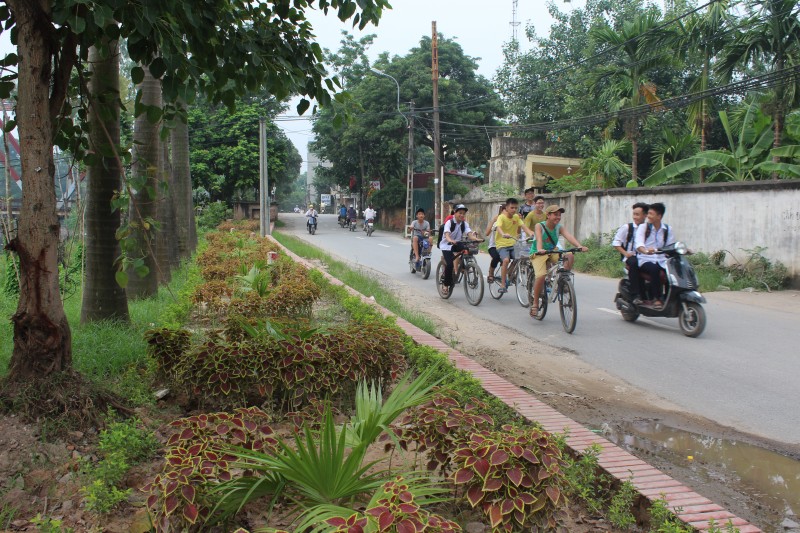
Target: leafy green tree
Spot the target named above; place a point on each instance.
(771, 35)
(603, 169)
(624, 79)
(224, 149)
(265, 45)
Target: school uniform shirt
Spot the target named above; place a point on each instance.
(454, 229)
(657, 239)
(621, 238)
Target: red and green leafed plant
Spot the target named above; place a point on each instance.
(397, 509)
(195, 458)
(439, 427)
(515, 476)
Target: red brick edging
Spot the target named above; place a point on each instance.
(690, 507)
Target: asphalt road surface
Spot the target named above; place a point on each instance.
(743, 372)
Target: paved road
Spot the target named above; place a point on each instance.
(743, 372)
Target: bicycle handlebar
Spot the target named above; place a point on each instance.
(559, 252)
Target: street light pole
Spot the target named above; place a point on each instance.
(410, 171)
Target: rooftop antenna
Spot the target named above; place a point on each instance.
(514, 22)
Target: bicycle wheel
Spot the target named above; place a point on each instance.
(542, 307)
(567, 304)
(444, 291)
(523, 274)
(494, 286)
(473, 283)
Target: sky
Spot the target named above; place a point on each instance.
(480, 27)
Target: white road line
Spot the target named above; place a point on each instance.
(641, 319)
(362, 238)
(384, 245)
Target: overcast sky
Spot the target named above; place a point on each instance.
(480, 27)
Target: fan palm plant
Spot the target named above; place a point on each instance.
(325, 472)
(604, 168)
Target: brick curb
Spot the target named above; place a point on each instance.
(690, 507)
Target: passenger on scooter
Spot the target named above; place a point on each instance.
(509, 225)
(547, 234)
(369, 214)
(418, 228)
(650, 237)
(624, 243)
(454, 231)
(351, 215)
(490, 232)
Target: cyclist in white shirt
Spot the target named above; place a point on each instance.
(455, 230)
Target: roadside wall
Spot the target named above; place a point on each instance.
(708, 217)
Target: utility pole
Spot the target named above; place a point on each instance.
(437, 150)
(410, 178)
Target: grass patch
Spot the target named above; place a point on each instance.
(358, 280)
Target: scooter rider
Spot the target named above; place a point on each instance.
(311, 214)
(342, 212)
(454, 230)
(369, 214)
(624, 243)
(418, 228)
(351, 215)
(649, 237)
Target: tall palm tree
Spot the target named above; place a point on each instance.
(772, 36)
(142, 274)
(708, 34)
(103, 297)
(624, 81)
(186, 232)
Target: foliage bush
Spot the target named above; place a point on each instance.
(212, 215)
(179, 495)
(393, 194)
(166, 347)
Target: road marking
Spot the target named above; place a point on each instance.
(362, 238)
(384, 245)
(641, 319)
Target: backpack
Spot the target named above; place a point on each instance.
(629, 239)
(666, 233)
(452, 227)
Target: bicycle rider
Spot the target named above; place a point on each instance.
(547, 234)
(509, 225)
(418, 228)
(490, 232)
(455, 230)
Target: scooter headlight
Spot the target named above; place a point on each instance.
(680, 248)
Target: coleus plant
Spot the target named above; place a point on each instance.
(515, 476)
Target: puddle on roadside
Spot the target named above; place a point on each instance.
(768, 478)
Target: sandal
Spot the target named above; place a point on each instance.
(489, 279)
(534, 311)
(658, 305)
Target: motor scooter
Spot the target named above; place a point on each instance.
(311, 224)
(369, 227)
(682, 300)
(353, 224)
(424, 257)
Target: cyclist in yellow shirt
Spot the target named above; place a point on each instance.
(509, 224)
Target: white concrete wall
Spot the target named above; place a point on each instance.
(709, 217)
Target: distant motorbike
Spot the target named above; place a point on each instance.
(424, 257)
(353, 224)
(682, 300)
(369, 227)
(343, 222)
(311, 224)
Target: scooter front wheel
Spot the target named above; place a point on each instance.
(692, 319)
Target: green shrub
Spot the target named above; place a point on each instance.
(213, 215)
(601, 259)
(585, 481)
(619, 512)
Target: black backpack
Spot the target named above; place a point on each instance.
(666, 233)
(452, 227)
(629, 239)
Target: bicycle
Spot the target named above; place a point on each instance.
(520, 270)
(469, 272)
(559, 285)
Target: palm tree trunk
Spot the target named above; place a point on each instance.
(164, 237)
(42, 337)
(143, 198)
(103, 297)
(186, 232)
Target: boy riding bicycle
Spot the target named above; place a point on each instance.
(547, 234)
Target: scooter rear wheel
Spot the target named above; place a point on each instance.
(426, 268)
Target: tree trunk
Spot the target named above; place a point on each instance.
(146, 152)
(103, 298)
(185, 229)
(42, 338)
(165, 236)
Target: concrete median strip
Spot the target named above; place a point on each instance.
(690, 507)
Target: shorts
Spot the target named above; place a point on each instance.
(540, 263)
(507, 252)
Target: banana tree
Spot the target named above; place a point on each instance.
(740, 163)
